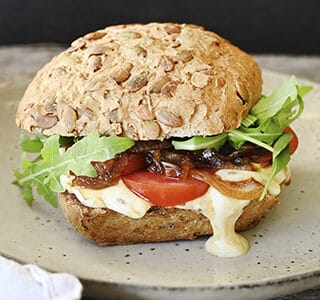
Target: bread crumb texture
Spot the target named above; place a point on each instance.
(145, 82)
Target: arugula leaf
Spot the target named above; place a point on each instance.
(238, 137)
(32, 144)
(267, 107)
(303, 90)
(280, 158)
(200, 142)
(264, 126)
(45, 191)
(249, 120)
(44, 173)
(281, 143)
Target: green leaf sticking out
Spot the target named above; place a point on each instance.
(43, 173)
(200, 142)
(32, 144)
(280, 158)
(249, 120)
(238, 137)
(264, 126)
(267, 107)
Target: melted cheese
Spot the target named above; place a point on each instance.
(117, 198)
(222, 211)
(261, 175)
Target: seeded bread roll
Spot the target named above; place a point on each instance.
(105, 226)
(145, 82)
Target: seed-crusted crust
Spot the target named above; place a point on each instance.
(146, 82)
(105, 226)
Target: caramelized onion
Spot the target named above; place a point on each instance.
(108, 173)
(243, 190)
(160, 157)
(146, 146)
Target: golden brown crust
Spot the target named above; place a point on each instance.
(146, 82)
(105, 226)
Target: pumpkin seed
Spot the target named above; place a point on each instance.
(138, 81)
(165, 117)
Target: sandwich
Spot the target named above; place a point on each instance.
(157, 132)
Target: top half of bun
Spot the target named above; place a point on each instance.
(151, 81)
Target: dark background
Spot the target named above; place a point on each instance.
(259, 26)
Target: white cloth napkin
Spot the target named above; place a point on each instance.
(31, 282)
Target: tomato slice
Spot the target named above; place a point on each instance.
(163, 191)
(136, 162)
(294, 141)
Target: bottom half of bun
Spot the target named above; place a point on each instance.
(108, 227)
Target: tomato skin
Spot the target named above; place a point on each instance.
(294, 141)
(136, 162)
(163, 191)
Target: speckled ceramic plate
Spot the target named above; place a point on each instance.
(285, 246)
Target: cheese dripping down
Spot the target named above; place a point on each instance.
(222, 211)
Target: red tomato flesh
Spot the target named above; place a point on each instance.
(294, 141)
(163, 191)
